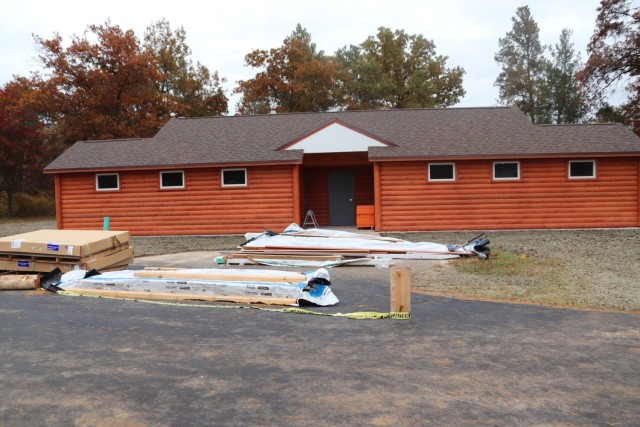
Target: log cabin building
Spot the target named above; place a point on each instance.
(392, 170)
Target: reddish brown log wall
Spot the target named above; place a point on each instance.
(316, 194)
(544, 197)
(202, 207)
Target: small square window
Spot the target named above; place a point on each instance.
(234, 177)
(582, 169)
(173, 179)
(506, 170)
(442, 172)
(107, 182)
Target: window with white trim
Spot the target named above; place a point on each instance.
(506, 170)
(233, 177)
(442, 172)
(107, 182)
(172, 179)
(581, 169)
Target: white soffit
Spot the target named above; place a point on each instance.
(335, 138)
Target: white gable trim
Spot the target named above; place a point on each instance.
(335, 138)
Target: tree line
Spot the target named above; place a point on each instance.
(550, 84)
(109, 84)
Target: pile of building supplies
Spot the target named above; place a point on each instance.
(43, 251)
(240, 286)
(95, 263)
(296, 246)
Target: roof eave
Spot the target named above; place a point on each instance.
(174, 166)
(503, 156)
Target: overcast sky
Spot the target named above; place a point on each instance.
(220, 34)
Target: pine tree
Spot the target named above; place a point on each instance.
(521, 56)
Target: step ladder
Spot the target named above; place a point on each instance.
(310, 220)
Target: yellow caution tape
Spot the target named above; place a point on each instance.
(358, 315)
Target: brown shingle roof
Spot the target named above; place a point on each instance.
(417, 133)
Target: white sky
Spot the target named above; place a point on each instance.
(221, 34)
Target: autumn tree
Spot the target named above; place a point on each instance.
(614, 56)
(293, 77)
(191, 88)
(106, 84)
(523, 64)
(22, 140)
(102, 89)
(394, 69)
(562, 98)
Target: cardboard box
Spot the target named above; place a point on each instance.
(64, 243)
(41, 265)
(12, 256)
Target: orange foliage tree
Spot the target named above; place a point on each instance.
(103, 89)
(293, 77)
(106, 85)
(23, 146)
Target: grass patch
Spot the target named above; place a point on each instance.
(500, 263)
(512, 277)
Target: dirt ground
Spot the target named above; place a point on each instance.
(597, 269)
(594, 269)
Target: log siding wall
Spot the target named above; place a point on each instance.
(316, 193)
(544, 197)
(202, 207)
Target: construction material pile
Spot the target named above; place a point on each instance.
(328, 248)
(240, 286)
(43, 251)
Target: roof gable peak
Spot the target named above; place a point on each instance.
(336, 136)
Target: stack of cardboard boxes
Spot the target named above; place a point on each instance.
(44, 250)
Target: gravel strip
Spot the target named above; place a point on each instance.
(588, 268)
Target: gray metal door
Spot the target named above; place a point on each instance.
(342, 209)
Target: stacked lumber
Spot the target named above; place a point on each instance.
(239, 286)
(45, 250)
(321, 247)
(299, 257)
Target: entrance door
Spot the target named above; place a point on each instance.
(341, 198)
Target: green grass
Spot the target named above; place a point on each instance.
(500, 263)
(511, 276)
(503, 263)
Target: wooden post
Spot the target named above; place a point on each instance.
(400, 290)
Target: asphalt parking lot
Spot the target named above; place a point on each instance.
(90, 361)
